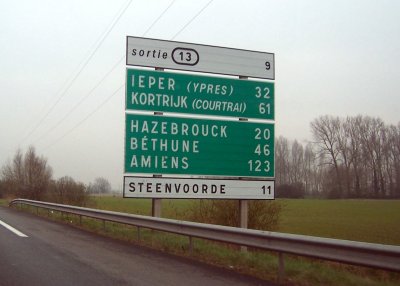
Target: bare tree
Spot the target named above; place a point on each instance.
(100, 186)
(344, 147)
(282, 160)
(351, 157)
(67, 191)
(296, 163)
(27, 176)
(325, 130)
(396, 156)
(392, 159)
(309, 170)
(352, 127)
(372, 134)
(37, 174)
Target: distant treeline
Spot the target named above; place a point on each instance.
(352, 157)
(29, 176)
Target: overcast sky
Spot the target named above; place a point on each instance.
(332, 57)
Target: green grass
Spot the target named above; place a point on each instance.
(137, 206)
(3, 202)
(175, 209)
(363, 220)
(376, 221)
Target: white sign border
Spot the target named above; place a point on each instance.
(244, 195)
(201, 70)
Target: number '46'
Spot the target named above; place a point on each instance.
(262, 149)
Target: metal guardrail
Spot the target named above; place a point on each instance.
(378, 256)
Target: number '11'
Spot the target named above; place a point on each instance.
(264, 189)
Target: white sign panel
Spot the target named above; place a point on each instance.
(200, 58)
(189, 188)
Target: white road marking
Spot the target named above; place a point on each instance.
(10, 228)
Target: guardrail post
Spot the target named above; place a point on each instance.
(37, 210)
(138, 233)
(190, 245)
(281, 268)
(104, 225)
(80, 220)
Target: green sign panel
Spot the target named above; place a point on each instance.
(194, 94)
(171, 145)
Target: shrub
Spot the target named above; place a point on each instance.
(263, 215)
(294, 191)
(1, 189)
(66, 191)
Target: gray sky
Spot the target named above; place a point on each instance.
(332, 57)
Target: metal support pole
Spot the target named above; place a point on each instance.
(156, 208)
(244, 213)
(281, 269)
(244, 217)
(156, 204)
(243, 204)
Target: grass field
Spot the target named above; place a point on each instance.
(375, 221)
(3, 202)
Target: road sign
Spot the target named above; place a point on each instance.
(195, 94)
(201, 58)
(190, 188)
(172, 145)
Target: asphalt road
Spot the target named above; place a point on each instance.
(58, 254)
